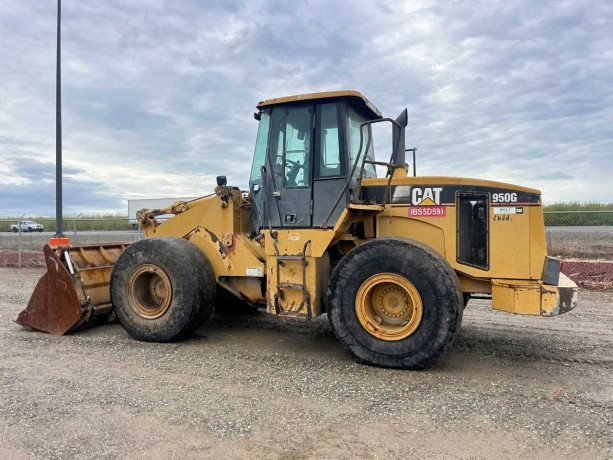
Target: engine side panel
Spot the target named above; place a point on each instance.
(445, 213)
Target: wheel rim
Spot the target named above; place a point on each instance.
(150, 291)
(388, 306)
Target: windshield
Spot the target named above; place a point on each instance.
(355, 119)
(261, 143)
(255, 180)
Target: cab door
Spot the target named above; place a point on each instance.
(330, 166)
(291, 160)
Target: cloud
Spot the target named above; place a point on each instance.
(29, 187)
(552, 176)
(158, 96)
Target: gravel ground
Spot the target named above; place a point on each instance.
(249, 386)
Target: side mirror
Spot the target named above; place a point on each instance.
(257, 115)
(221, 181)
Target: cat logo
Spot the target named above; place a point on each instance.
(426, 196)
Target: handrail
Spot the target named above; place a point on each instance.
(391, 165)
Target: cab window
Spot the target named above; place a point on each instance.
(298, 147)
(259, 155)
(355, 119)
(290, 148)
(329, 148)
(276, 145)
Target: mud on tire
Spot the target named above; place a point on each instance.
(430, 274)
(192, 283)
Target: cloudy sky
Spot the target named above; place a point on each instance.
(158, 96)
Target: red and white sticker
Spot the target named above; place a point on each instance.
(427, 211)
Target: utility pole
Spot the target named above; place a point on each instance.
(58, 129)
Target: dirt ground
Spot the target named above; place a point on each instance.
(248, 386)
(581, 243)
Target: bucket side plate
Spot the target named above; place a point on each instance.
(54, 306)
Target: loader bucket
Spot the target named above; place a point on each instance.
(75, 291)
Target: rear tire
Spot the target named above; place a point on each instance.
(423, 275)
(162, 289)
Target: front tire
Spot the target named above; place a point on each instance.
(162, 289)
(395, 302)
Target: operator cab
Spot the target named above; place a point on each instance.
(305, 150)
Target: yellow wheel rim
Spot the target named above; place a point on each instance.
(150, 291)
(388, 306)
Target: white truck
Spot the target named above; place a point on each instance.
(27, 226)
(135, 205)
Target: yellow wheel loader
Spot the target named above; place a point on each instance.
(392, 260)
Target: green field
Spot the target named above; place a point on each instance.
(578, 214)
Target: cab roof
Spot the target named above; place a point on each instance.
(354, 96)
